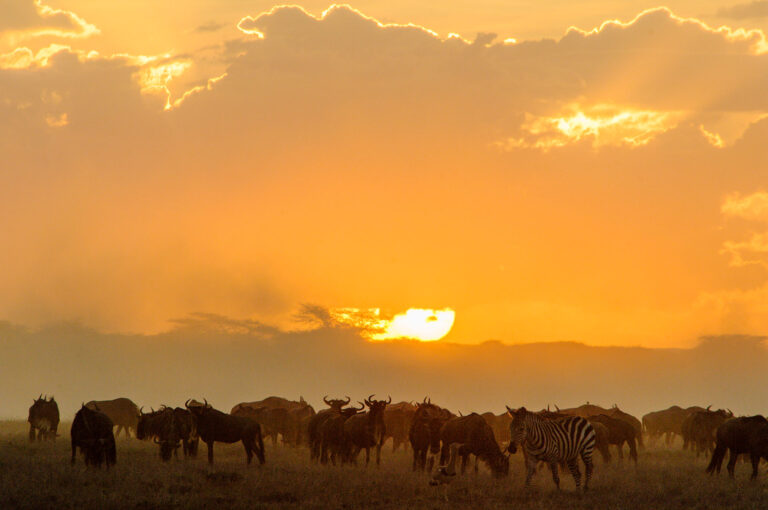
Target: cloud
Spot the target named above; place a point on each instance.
(751, 10)
(210, 26)
(21, 19)
(348, 162)
(752, 207)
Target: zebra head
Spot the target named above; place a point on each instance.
(518, 428)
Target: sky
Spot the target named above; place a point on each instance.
(593, 172)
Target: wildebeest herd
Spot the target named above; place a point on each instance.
(338, 434)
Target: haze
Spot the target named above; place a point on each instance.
(542, 171)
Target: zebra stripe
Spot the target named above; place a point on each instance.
(559, 441)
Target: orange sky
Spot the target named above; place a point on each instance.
(606, 184)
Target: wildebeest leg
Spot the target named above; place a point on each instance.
(74, 451)
(32, 434)
(620, 448)
(210, 452)
(430, 462)
(464, 459)
(378, 454)
(324, 453)
(755, 462)
(476, 461)
(573, 466)
(248, 451)
(732, 463)
(367, 456)
(633, 450)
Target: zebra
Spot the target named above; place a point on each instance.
(560, 441)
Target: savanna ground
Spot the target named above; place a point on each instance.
(40, 476)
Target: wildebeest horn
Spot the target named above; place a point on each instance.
(152, 409)
(425, 400)
(362, 406)
(40, 397)
(186, 404)
(206, 402)
(348, 400)
(461, 414)
(389, 399)
(370, 399)
(141, 411)
(558, 409)
(429, 401)
(510, 411)
(710, 405)
(729, 411)
(325, 399)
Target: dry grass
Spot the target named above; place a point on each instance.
(39, 476)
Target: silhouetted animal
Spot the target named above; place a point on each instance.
(585, 411)
(334, 408)
(746, 435)
(161, 426)
(619, 432)
(556, 441)
(278, 415)
(186, 424)
(333, 442)
(367, 430)
(475, 437)
(699, 429)
(424, 433)
(122, 411)
(92, 432)
(43, 418)
(214, 425)
(615, 412)
(397, 421)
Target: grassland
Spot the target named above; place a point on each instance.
(40, 476)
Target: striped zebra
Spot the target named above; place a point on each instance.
(560, 441)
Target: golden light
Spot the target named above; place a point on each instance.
(425, 325)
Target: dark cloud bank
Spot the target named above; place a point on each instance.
(228, 361)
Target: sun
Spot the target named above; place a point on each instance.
(421, 324)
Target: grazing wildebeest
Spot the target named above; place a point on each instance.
(186, 424)
(366, 430)
(745, 435)
(330, 434)
(397, 421)
(699, 429)
(162, 427)
(122, 411)
(214, 425)
(92, 433)
(619, 432)
(667, 423)
(278, 415)
(43, 418)
(555, 441)
(475, 437)
(424, 433)
(334, 408)
(615, 412)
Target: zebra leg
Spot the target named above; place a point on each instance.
(587, 458)
(555, 474)
(573, 466)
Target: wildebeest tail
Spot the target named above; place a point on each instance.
(717, 459)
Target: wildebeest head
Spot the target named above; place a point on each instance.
(198, 408)
(518, 428)
(377, 407)
(336, 404)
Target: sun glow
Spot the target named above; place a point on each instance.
(425, 325)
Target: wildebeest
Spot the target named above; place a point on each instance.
(424, 433)
(162, 427)
(278, 415)
(585, 411)
(475, 437)
(214, 425)
(43, 418)
(122, 411)
(615, 412)
(367, 430)
(556, 441)
(619, 432)
(699, 429)
(186, 424)
(667, 423)
(746, 435)
(332, 441)
(92, 433)
(397, 421)
(334, 408)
